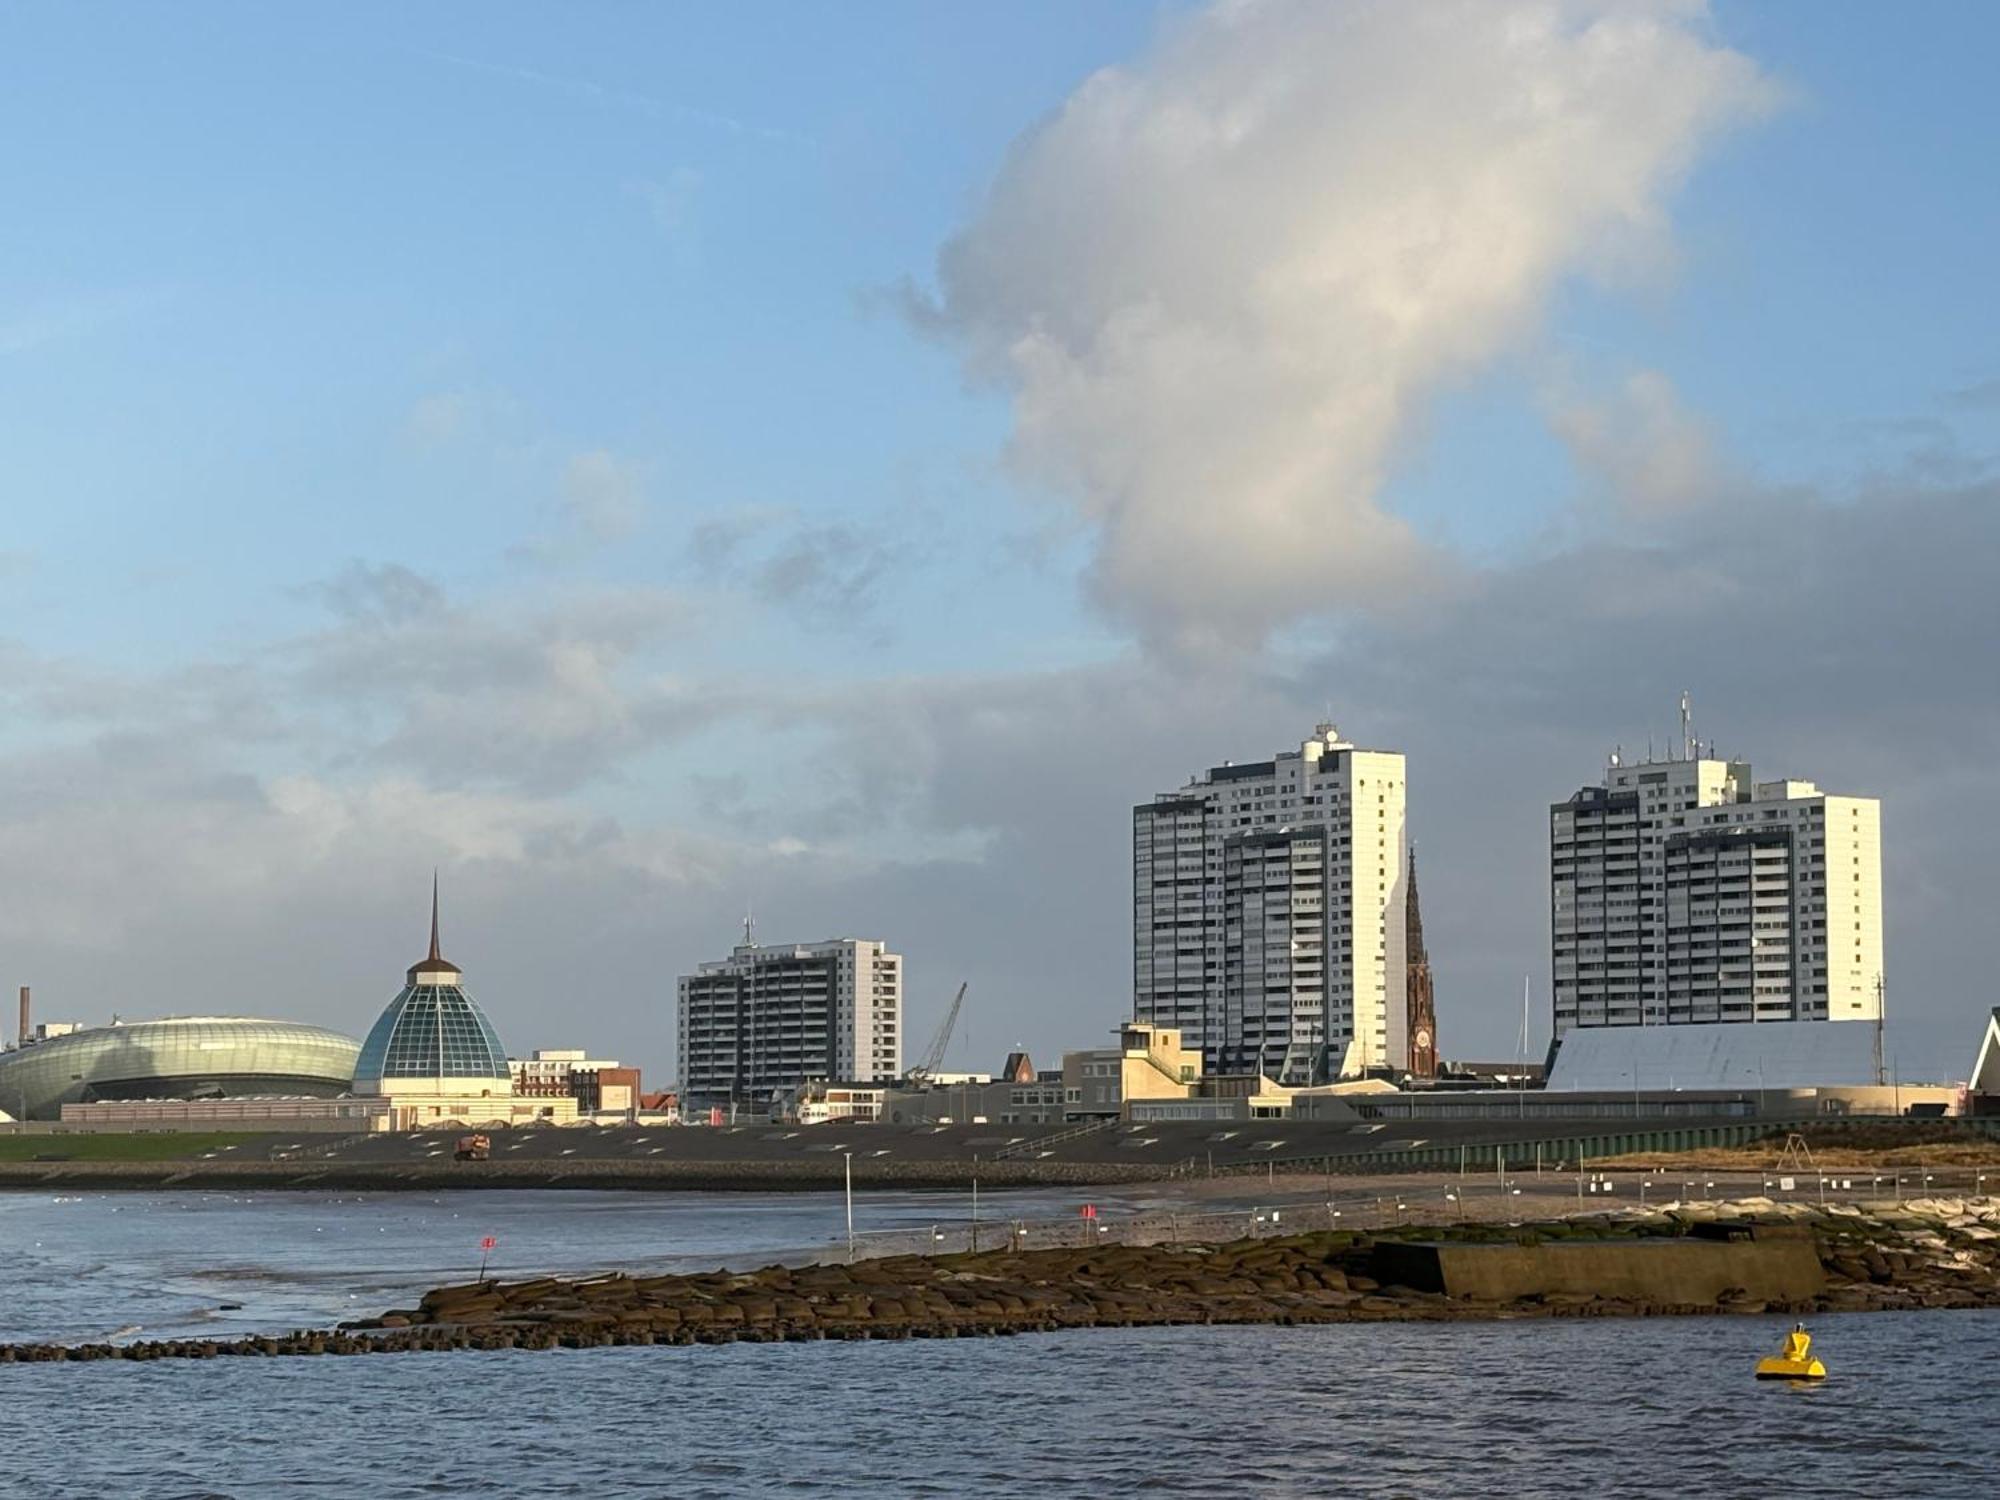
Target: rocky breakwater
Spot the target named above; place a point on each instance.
(1743, 1258)
(1932, 1252)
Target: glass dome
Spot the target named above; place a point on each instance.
(431, 1031)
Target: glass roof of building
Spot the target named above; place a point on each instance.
(431, 1031)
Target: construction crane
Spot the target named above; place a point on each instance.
(926, 1070)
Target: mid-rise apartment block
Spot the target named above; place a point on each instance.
(1686, 890)
(767, 1019)
(596, 1083)
(1268, 912)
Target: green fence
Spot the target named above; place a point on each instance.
(1531, 1149)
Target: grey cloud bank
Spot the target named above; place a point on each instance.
(982, 823)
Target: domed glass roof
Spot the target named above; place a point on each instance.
(431, 1031)
(177, 1057)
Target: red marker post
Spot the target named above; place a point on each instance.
(485, 1249)
(1088, 1214)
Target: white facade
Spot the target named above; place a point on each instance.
(1685, 891)
(767, 1019)
(833, 1103)
(1268, 912)
(551, 1069)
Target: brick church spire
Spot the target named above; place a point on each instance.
(1422, 1007)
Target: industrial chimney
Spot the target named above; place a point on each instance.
(22, 1041)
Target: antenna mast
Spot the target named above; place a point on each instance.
(1687, 727)
(1881, 1015)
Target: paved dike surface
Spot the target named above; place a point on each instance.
(760, 1156)
(1749, 1257)
(754, 1155)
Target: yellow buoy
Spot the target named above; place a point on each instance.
(1794, 1361)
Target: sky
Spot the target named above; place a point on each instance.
(658, 463)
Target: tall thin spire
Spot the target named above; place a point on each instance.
(1419, 1002)
(1413, 920)
(434, 963)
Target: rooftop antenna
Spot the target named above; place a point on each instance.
(437, 1008)
(749, 927)
(1881, 1015)
(1687, 727)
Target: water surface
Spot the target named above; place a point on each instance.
(1595, 1407)
(1585, 1408)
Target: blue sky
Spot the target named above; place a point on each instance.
(262, 240)
(512, 418)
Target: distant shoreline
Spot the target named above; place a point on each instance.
(628, 1176)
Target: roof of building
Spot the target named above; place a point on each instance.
(1986, 1070)
(1723, 1055)
(234, 1055)
(431, 1030)
(434, 964)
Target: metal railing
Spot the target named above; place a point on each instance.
(1041, 1143)
(1501, 1200)
(1544, 1147)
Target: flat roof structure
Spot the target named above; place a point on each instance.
(1721, 1055)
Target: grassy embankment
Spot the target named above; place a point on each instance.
(1945, 1144)
(148, 1146)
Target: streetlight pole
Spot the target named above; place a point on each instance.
(975, 1203)
(847, 1157)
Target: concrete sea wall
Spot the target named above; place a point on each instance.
(1671, 1271)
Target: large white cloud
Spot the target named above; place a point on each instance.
(1222, 280)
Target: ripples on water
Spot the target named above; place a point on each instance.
(220, 1263)
(1586, 1408)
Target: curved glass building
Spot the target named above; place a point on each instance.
(432, 1040)
(178, 1057)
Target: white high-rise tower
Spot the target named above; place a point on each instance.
(1268, 911)
(1685, 890)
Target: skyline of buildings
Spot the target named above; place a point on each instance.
(1276, 928)
(1268, 912)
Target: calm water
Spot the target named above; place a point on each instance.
(1588, 1408)
(116, 1264)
